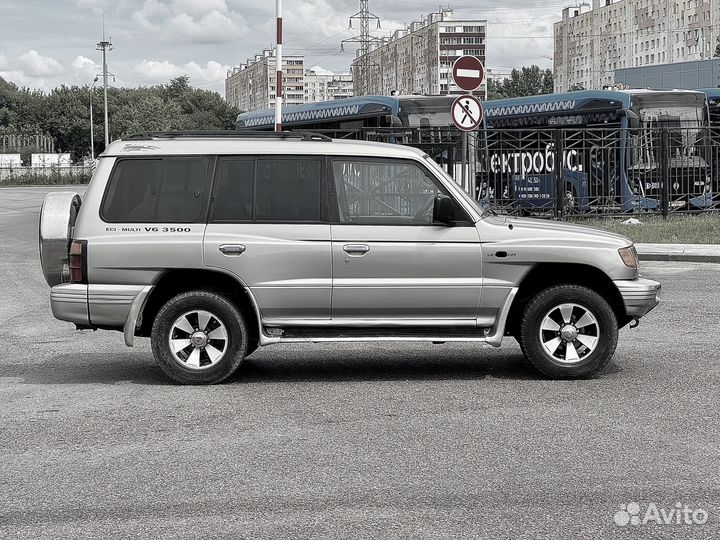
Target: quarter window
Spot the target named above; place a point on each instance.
(164, 190)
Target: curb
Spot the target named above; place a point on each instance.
(679, 253)
(679, 257)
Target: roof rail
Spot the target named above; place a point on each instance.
(302, 135)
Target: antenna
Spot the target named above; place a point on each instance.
(365, 39)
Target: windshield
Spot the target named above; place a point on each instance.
(426, 111)
(681, 115)
(458, 191)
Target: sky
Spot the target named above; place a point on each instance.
(46, 43)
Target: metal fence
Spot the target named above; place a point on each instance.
(562, 172)
(601, 171)
(25, 176)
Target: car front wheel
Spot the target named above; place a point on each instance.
(568, 331)
(199, 337)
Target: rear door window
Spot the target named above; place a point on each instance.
(234, 190)
(278, 189)
(162, 190)
(288, 190)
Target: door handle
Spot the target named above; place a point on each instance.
(356, 249)
(232, 250)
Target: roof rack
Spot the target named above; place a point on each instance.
(302, 135)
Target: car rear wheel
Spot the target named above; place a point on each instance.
(199, 337)
(568, 331)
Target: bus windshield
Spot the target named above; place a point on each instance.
(425, 111)
(682, 114)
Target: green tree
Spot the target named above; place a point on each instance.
(64, 112)
(146, 113)
(526, 81)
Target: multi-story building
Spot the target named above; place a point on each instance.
(419, 58)
(594, 40)
(323, 85)
(252, 86)
(498, 75)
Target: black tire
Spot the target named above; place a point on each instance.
(546, 304)
(234, 345)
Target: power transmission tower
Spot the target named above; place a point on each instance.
(105, 46)
(365, 39)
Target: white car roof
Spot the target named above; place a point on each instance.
(190, 145)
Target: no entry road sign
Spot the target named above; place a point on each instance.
(467, 113)
(468, 73)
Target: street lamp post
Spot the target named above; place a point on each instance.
(105, 46)
(92, 133)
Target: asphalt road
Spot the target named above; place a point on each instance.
(372, 441)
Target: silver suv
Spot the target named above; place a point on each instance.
(215, 244)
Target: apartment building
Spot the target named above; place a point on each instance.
(252, 86)
(324, 85)
(419, 58)
(594, 40)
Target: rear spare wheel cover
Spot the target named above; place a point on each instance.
(57, 219)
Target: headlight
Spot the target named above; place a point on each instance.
(629, 256)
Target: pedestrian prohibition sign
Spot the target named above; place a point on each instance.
(467, 113)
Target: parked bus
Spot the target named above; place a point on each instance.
(617, 147)
(712, 96)
(423, 122)
(350, 114)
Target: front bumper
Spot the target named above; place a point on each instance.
(639, 295)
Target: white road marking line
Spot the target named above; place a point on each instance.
(470, 73)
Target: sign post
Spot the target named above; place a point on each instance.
(467, 111)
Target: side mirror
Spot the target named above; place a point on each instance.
(443, 209)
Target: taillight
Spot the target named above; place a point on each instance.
(77, 261)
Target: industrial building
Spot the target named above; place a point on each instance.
(680, 75)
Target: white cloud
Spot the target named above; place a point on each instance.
(37, 65)
(21, 79)
(85, 68)
(161, 71)
(213, 27)
(506, 49)
(195, 8)
(145, 15)
(191, 21)
(3, 61)
(97, 6)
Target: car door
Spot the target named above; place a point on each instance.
(266, 227)
(391, 263)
